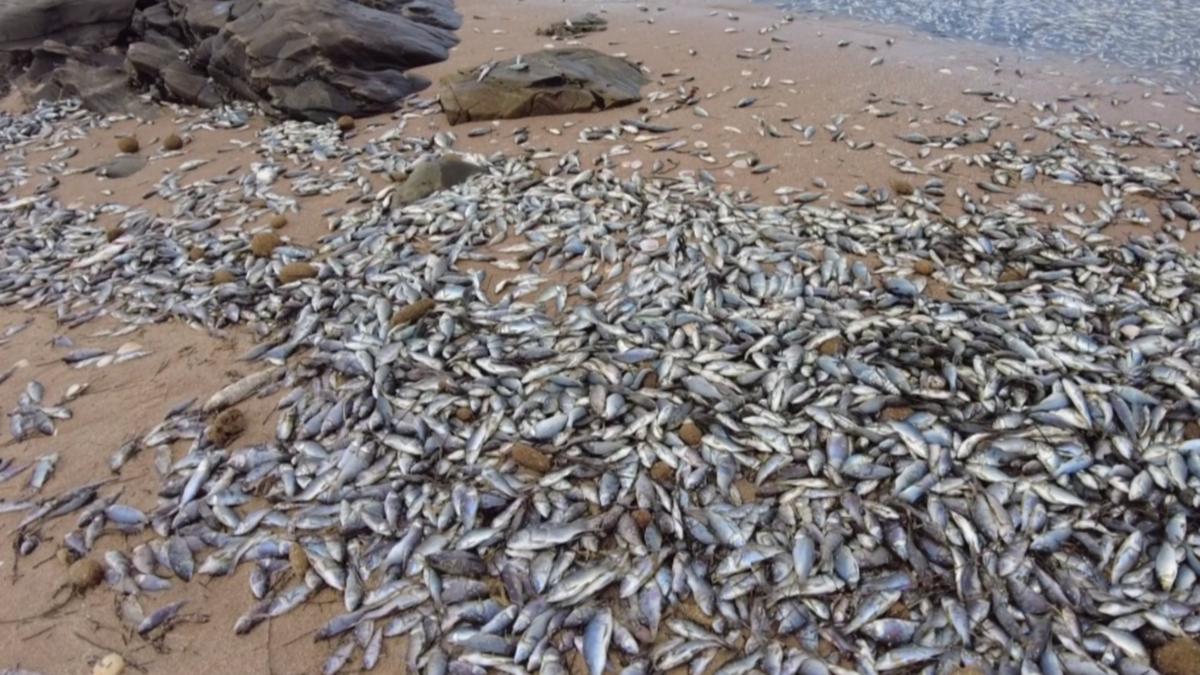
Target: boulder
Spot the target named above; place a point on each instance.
(551, 82)
(25, 24)
(431, 175)
(320, 59)
(310, 59)
(177, 80)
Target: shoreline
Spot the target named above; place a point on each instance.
(906, 93)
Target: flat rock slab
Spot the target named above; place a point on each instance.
(551, 82)
(580, 25)
(431, 175)
(25, 24)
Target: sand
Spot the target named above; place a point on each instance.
(919, 81)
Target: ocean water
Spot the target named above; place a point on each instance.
(1152, 36)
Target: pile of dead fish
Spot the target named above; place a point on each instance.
(686, 429)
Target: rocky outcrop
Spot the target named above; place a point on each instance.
(551, 82)
(90, 24)
(312, 59)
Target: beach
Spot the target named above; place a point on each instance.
(773, 109)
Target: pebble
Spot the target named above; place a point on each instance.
(85, 574)
(128, 144)
(296, 271)
(690, 433)
(109, 664)
(172, 143)
(226, 427)
(531, 458)
(264, 243)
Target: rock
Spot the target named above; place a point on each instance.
(642, 517)
(112, 232)
(278, 221)
(298, 560)
(531, 458)
(896, 413)
(226, 427)
(172, 143)
(746, 490)
(1180, 656)
(650, 381)
(110, 664)
(690, 433)
(121, 167)
(464, 414)
(319, 59)
(223, 276)
(345, 123)
(263, 243)
(580, 25)
(161, 66)
(662, 472)
(923, 267)
(1010, 274)
(431, 175)
(92, 24)
(296, 271)
(902, 187)
(412, 312)
(99, 80)
(830, 347)
(554, 82)
(85, 574)
(128, 144)
(196, 253)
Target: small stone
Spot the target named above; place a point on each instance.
(965, 670)
(747, 490)
(902, 187)
(278, 221)
(642, 517)
(662, 472)
(650, 381)
(896, 413)
(464, 414)
(172, 142)
(110, 664)
(112, 232)
(1011, 274)
(690, 433)
(65, 556)
(263, 243)
(1191, 430)
(127, 144)
(296, 271)
(531, 458)
(923, 267)
(226, 427)
(412, 312)
(1180, 656)
(830, 347)
(195, 253)
(84, 574)
(223, 276)
(345, 123)
(298, 559)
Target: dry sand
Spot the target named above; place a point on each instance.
(919, 81)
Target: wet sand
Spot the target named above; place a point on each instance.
(808, 79)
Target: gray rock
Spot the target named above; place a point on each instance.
(178, 80)
(25, 24)
(549, 82)
(318, 59)
(312, 59)
(431, 175)
(123, 166)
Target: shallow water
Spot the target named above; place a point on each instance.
(1155, 36)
